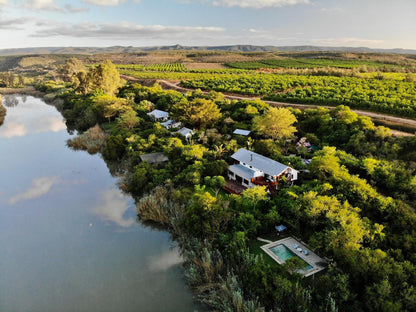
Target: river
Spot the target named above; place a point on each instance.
(69, 239)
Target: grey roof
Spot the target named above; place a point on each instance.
(185, 131)
(158, 114)
(170, 122)
(242, 171)
(241, 132)
(154, 158)
(267, 165)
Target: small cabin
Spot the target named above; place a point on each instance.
(158, 115)
(171, 124)
(186, 132)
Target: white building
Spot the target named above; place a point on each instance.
(253, 169)
(158, 115)
(186, 132)
(171, 124)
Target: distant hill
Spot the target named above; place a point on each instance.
(231, 48)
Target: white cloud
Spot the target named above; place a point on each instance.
(39, 187)
(3, 2)
(165, 261)
(332, 10)
(13, 129)
(69, 8)
(45, 5)
(14, 23)
(112, 206)
(106, 2)
(258, 4)
(348, 42)
(122, 30)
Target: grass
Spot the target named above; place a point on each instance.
(91, 140)
(2, 112)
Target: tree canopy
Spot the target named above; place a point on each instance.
(276, 123)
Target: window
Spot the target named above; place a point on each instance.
(230, 173)
(245, 181)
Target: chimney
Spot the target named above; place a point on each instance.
(251, 158)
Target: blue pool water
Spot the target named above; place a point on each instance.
(284, 253)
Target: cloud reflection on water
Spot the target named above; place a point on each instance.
(39, 187)
(165, 261)
(111, 207)
(32, 117)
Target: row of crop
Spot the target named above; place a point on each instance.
(179, 67)
(165, 67)
(308, 63)
(194, 76)
(389, 96)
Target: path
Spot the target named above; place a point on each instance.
(405, 121)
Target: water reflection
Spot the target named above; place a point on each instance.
(165, 261)
(10, 101)
(51, 260)
(111, 206)
(39, 187)
(26, 117)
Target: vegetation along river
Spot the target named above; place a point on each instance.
(69, 238)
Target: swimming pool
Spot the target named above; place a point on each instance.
(284, 253)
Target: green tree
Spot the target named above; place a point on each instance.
(106, 77)
(276, 123)
(216, 183)
(255, 194)
(198, 112)
(67, 71)
(128, 119)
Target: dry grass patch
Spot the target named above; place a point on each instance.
(193, 66)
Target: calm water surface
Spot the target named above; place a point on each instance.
(69, 239)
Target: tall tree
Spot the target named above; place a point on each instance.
(106, 77)
(198, 112)
(68, 70)
(276, 123)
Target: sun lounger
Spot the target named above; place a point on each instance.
(295, 246)
(305, 252)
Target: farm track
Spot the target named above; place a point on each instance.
(376, 116)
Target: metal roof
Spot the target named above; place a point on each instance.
(267, 165)
(154, 158)
(158, 114)
(185, 131)
(241, 132)
(242, 171)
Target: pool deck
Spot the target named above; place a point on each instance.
(311, 258)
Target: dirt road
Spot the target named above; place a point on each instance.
(376, 116)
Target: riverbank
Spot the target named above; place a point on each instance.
(2, 112)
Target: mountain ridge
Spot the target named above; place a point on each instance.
(225, 48)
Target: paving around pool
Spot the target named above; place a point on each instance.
(289, 247)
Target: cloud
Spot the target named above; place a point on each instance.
(347, 42)
(165, 261)
(13, 129)
(258, 4)
(332, 10)
(14, 23)
(122, 30)
(39, 187)
(107, 2)
(44, 5)
(112, 206)
(3, 2)
(70, 9)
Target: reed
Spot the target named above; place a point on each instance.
(2, 112)
(92, 140)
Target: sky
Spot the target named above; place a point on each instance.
(103, 23)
